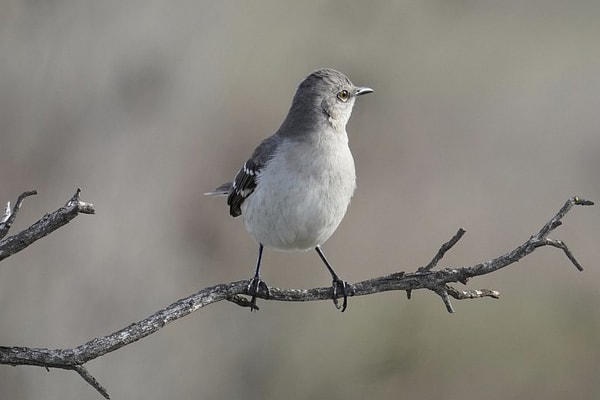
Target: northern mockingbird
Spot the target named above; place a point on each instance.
(294, 190)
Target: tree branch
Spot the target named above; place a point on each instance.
(10, 215)
(46, 225)
(424, 278)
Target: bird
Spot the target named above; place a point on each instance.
(295, 188)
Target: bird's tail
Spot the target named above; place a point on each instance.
(222, 190)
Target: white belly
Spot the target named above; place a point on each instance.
(301, 208)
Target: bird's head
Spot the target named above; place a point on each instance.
(325, 96)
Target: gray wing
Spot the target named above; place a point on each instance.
(245, 180)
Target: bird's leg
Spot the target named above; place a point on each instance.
(256, 285)
(337, 285)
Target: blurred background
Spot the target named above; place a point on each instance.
(486, 115)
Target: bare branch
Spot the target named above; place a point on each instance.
(80, 369)
(442, 251)
(6, 215)
(46, 225)
(472, 294)
(9, 216)
(424, 278)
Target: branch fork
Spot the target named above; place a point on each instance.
(43, 227)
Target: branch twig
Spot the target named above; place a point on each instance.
(424, 278)
(9, 215)
(83, 372)
(46, 225)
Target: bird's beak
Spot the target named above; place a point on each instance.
(363, 90)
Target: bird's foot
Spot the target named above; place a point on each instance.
(256, 286)
(340, 288)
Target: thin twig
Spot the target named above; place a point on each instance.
(443, 249)
(83, 372)
(9, 216)
(472, 294)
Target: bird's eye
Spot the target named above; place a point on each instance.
(343, 95)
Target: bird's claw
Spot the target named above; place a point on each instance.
(256, 286)
(340, 286)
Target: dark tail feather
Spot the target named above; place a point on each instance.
(222, 190)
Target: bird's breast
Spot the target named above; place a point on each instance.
(301, 195)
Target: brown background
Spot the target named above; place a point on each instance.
(485, 115)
